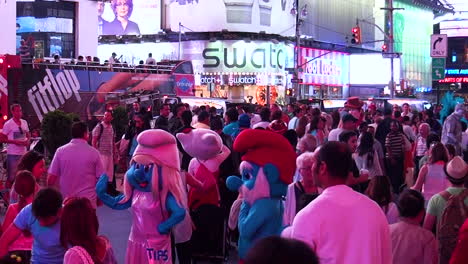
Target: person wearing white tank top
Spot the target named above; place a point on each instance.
(432, 178)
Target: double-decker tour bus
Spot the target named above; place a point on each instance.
(85, 89)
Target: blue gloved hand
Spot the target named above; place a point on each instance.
(176, 215)
(110, 201)
(101, 185)
(233, 183)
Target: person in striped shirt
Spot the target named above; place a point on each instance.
(394, 143)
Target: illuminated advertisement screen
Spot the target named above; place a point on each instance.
(47, 24)
(213, 57)
(412, 28)
(270, 16)
(324, 67)
(372, 69)
(129, 17)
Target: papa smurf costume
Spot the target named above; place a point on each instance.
(153, 190)
(267, 168)
(208, 152)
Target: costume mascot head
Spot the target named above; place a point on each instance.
(153, 188)
(267, 168)
(208, 152)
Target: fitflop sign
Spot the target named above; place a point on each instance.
(53, 91)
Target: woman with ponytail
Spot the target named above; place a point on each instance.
(25, 188)
(366, 156)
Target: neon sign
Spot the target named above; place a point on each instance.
(456, 71)
(423, 89)
(454, 80)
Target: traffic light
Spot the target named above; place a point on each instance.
(384, 48)
(356, 39)
(289, 92)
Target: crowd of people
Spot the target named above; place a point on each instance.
(370, 186)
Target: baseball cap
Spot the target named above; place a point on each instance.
(348, 117)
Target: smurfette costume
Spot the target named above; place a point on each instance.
(153, 191)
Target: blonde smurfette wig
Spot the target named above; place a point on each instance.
(172, 181)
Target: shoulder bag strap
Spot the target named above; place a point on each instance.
(299, 184)
(101, 127)
(445, 195)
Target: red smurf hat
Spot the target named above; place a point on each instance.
(262, 147)
(159, 144)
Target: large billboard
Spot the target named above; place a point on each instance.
(270, 16)
(372, 69)
(324, 67)
(40, 91)
(129, 17)
(213, 57)
(412, 28)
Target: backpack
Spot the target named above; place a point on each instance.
(452, 219)
(101, 127)
(303, 199)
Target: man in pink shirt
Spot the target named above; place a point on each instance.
(341, 225)
(76, 166)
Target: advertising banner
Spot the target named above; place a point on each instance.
(412, 29)
(325, 67)
(129, 17)
(270, 16)
(40, 91)
(372, 69)
(213, 57)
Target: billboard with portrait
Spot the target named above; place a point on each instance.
(270, 16)
(129, 17)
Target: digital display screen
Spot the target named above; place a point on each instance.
(270, 16)
(48, 24)
(56, 45)
(129, 17)
(379, 73)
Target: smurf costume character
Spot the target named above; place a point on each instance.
(208, 152)
(267, 168)
(153, 189)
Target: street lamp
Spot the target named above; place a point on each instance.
(300, 18)
(182, 29)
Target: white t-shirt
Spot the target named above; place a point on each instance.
(335, 134)
(255, 119)
(150, 61)
(344, 226)
(409, 133)
(11, 129)
(293, 123)
(263, 124)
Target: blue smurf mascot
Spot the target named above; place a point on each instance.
(267, 168)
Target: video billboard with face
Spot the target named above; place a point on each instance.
(129, 17)
(270, 16)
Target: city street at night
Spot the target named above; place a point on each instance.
(234, 131)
